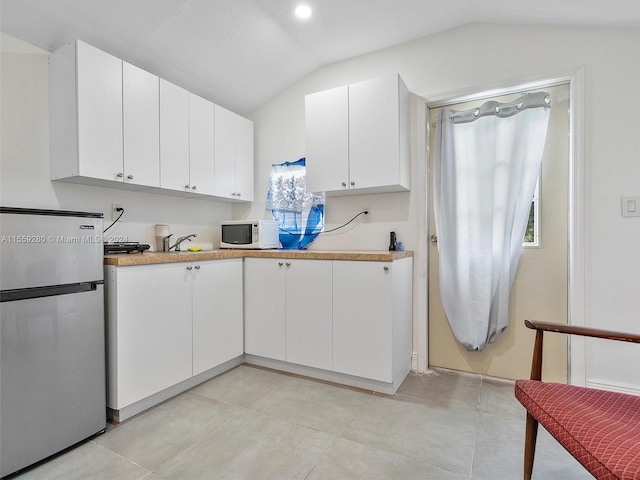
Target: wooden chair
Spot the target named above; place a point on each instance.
(601, 429)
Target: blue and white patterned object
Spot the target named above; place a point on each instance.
(300, 214)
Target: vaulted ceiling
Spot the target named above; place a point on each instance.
(242, 53)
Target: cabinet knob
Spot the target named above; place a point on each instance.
(233, 194)
(386, 269)
(280, 264)
(194, 188)
(129, 177)
(239, 194)
(119, 174)
(197, 267)
(187, 187)
(288, 264)
(353, 184)
(344, 184)
(189, 268)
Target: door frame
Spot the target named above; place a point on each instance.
(575, 77)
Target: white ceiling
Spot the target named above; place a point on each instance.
(242, 53)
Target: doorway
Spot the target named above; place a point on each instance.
(540, 289)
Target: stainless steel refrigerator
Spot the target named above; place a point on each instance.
(52, 333)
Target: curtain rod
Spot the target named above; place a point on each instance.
(502, 110)
(434, 117)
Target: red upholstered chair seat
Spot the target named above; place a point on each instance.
(601, 429)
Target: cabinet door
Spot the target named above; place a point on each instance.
(153, 331)
(362, 319)
(309, 332)
(217, 313)
(264, 307)
(327, 140)
(174, 137)
(99, 91)
(141, 126)
(225, 153)
(201, 143)
(244, 159)
(374, 132)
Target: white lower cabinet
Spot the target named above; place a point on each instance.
(362, 319)
(308, 313)
(288, 310)
(264, 307)
(352, 318)
(149, 330)
(372, 319)
(217, 313)
(171, 326)
(167, 323)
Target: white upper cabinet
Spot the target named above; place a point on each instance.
(244, 159)
(233, 155)
(186, 141)
(85, 90)
(201, 145)
(115, 125)
(358, 138)
(141, 126)
(327, 127)
(225, 153)
(174, 137)
(379, 136)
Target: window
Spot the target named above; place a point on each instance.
(532, 233)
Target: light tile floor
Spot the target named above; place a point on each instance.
(253, 423)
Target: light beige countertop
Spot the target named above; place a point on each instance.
(149, 258)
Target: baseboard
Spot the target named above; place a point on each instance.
(614, 386)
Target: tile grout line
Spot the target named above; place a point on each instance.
(322, 456)
(475, 435)
(235, 415)
(125, 458)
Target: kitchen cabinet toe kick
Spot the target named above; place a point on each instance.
(387, 388)
(124, 413)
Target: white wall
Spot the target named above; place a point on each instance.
(479, 57)
(24, 163)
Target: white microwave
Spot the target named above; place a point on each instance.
(249, 234)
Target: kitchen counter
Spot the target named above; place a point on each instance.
(128, 259)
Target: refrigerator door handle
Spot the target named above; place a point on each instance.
(48, 291)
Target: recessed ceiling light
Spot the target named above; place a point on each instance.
(303, 11)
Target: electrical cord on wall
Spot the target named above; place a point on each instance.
(119, 209)
(364, 212)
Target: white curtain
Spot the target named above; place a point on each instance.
(485, 173)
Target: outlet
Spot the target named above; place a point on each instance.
(116, 210)
(631, 206)
(366, 218)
